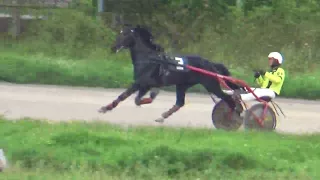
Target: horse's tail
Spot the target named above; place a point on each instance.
(221, 69)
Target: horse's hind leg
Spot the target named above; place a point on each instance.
(231, 100)
(180, 101)
(215, 88)
(134, 87)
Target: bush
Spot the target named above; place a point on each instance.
(69, 33)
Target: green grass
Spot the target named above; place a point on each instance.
(43, 70)
(114, 72)
(78, 150)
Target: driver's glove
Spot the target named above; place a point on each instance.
(256, 74)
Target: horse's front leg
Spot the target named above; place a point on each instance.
(180, 101)
(154, 93)
(134, 87)
(142, 91)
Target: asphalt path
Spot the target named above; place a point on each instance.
(61, 103)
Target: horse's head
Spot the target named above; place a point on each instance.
(125, 39)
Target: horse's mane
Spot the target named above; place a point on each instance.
(145, 35)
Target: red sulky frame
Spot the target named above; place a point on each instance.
(222, 79)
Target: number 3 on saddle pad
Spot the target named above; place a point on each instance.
(180, 61)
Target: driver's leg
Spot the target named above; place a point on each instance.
(230, 92)
(260, 92)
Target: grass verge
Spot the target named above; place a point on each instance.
(78, 150)
(115, 73)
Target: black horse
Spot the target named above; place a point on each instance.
(152, 70)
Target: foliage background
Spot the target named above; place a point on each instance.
(237, 33)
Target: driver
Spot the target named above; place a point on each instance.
(270, 82)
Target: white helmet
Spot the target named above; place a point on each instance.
(277, 56)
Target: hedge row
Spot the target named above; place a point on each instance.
(118, 74)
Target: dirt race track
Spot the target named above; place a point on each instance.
(65, 103)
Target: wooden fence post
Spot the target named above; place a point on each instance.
(16, 22)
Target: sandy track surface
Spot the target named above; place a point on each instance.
(60, 103)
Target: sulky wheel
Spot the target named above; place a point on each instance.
(222, 119)
(256, 111)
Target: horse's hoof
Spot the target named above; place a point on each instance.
(103, 109)
(159, 120)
